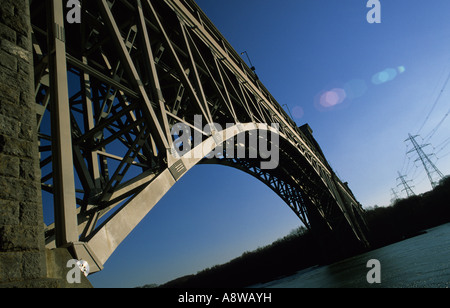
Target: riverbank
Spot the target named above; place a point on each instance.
(421, 261)
(300, 250)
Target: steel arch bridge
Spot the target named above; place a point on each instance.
(109, 91)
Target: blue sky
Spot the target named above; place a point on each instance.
(362, 88)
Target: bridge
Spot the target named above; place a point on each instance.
(109, 92)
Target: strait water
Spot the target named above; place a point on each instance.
(419, 262)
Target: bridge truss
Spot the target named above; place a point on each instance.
(110, 89)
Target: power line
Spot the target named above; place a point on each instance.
(407, 188)
(415, 175)
(445, 155)
(428, 137)
(435, 103)
(394, 195)
(443, 145)
(429, 166)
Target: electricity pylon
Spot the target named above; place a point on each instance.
(407, 187)
(394, 196)
(434, 175)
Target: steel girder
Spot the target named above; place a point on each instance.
(110, 89)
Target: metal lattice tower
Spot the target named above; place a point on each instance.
(394, 195)
(406, 187)
(434, 175)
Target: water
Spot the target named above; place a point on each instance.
(419, 262)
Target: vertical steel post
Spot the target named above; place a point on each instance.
(62, 160)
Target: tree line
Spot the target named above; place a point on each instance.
(302, 249)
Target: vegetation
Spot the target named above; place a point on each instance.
(302, 249)
(283, 257)
(409, 217)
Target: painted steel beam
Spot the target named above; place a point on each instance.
(112, 232)
(62, 162)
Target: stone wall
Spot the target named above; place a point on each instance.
(22, 252)
(24, 261)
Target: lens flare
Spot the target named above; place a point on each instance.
(298, 112)
(355, 88)
(401, 69)
(333, 97)
(387, 75)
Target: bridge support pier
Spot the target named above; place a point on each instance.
(24, 261)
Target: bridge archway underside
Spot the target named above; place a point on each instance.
(110, 90)
(299, 185)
